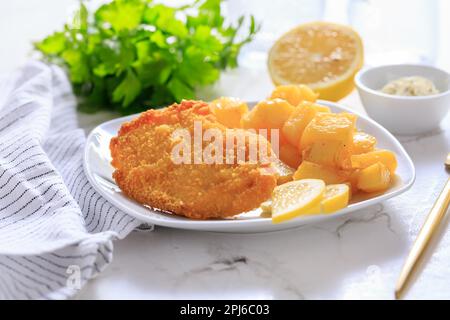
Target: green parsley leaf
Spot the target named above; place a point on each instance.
(128, 89)
(121, 14)
(54, 44)
(129, 55)
(76, 62)
(180, 90)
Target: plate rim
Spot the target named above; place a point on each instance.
(224, 224)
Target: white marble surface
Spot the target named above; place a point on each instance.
(354, 257)
(358, 256)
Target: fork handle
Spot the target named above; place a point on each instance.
(431, 223)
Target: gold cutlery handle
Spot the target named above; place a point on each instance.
(431, 223)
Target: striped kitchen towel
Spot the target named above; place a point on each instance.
(56, 232)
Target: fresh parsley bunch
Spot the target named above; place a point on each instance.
(130, 55)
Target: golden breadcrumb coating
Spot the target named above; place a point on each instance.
(146, 172)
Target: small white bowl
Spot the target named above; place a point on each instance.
(400, 114)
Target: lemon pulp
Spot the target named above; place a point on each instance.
(296, 198)
(324, 56)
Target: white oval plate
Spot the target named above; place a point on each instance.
(99, 172)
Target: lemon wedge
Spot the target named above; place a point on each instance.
(296, 198)
(335, 198)
(322, 55)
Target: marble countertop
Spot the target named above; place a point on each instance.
(358, 256)
(353, 257)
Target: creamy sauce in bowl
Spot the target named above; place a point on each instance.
(410, 86)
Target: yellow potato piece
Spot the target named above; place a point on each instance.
(335, 198)
(364, 160)
(229, 111)
(294, 94)
(353, 180)
(268, 114)
(320, 108)
(363, 143)
(374, 178)
(296, 198)
(309, 170)
(294, 126)
(329, 153)
(329, 127)
(290, 155)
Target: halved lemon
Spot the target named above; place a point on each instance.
(335, 198)
(322, 55)
(296, 198)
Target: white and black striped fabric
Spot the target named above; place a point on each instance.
(53, 225)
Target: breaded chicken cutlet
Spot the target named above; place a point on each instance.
(145, 170)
